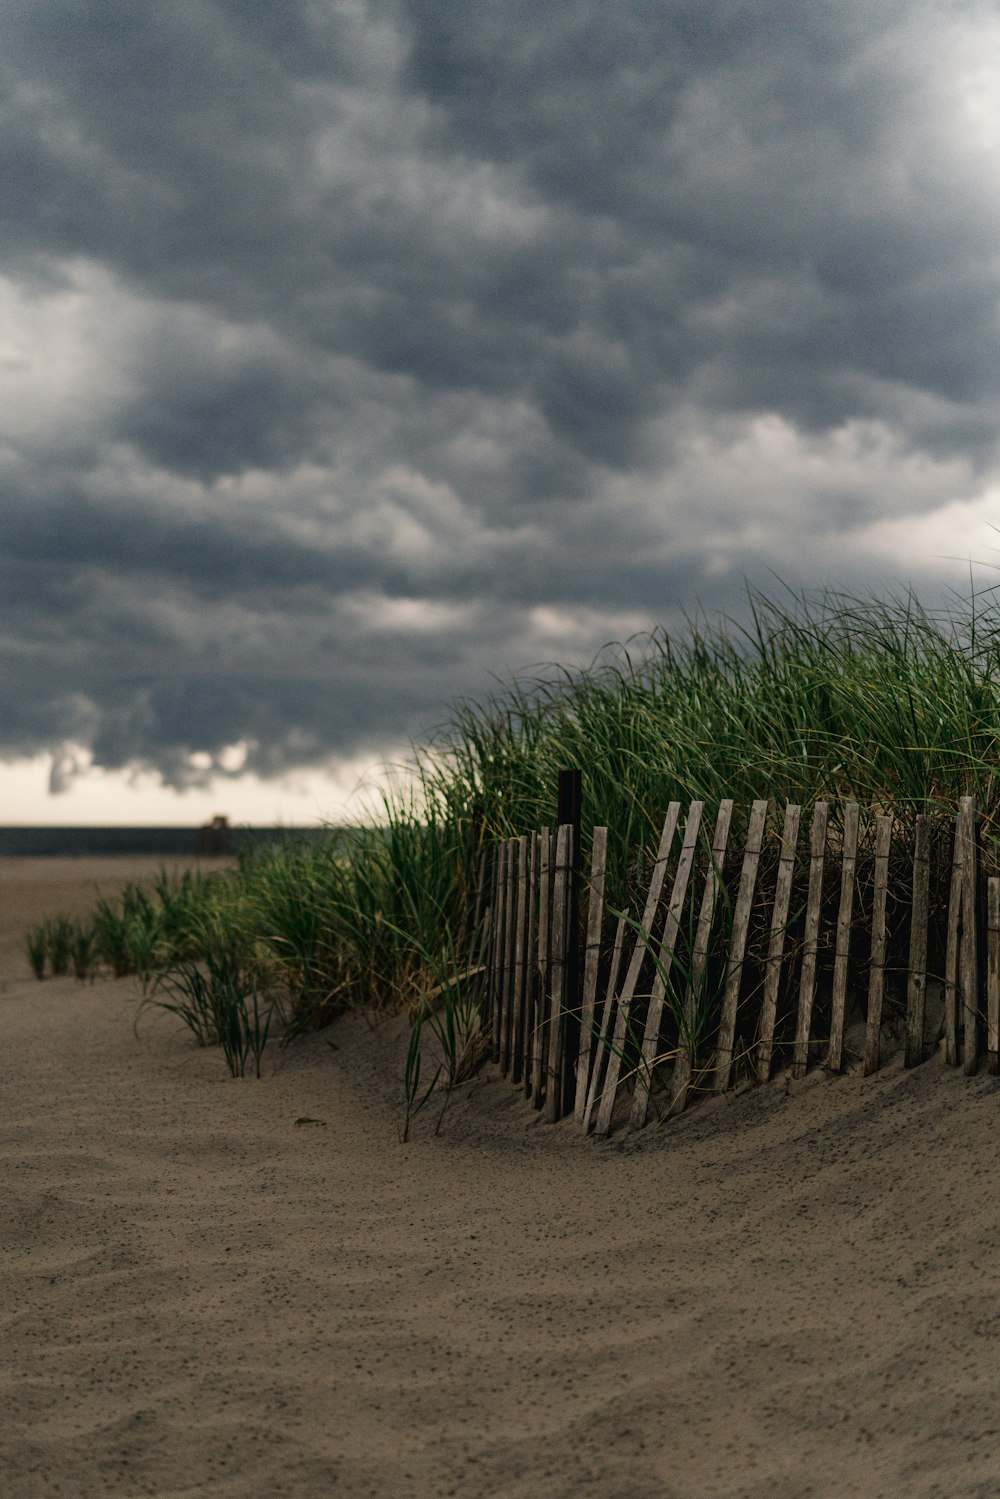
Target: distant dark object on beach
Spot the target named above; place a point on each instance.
(215, 839)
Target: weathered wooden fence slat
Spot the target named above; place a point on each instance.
(968, 956)
(481, 922)
(488, 947)
(621, 1037)
(993, 974)
(621, 1033)
(694, 994)
(776, 941)
(876, 973)
(916, 985)
(540, 1053)
(738, 945)
(515, 954)
(591, 963)
(531, 968)
(842, 952)
(668, 946)
(520, 961)
(600, 1051)
(510, 955)
(559, 966)
(949, 1019)
(810, 950)
(499, 945)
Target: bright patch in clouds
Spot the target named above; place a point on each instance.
(944, 542)
(92, 797)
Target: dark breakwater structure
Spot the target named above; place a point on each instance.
(163, 842)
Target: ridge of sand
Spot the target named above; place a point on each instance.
(791, 1293)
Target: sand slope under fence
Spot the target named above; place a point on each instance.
(789, 1294)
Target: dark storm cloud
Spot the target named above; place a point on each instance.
(358, 350)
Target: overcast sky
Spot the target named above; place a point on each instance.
(353, 352)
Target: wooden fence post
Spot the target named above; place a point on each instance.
(539, 1059)
(561, 943)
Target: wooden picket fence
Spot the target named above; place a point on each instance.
(751, 951)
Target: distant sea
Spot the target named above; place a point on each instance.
(34, 843)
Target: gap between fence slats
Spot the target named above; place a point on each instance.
(600, 1051)
(621, 1034)
(694, 993)
(842, 955)
(916, 986)
(810, 951)
(776, 941)
(591, 963)
(738, 945)
(668, 946)
(876, 974)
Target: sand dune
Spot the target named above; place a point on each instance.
(792, 1293)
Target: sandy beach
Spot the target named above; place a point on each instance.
(789, 1293)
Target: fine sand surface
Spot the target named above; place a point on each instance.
(795, 1292)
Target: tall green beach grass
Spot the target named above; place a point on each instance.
(831, 696)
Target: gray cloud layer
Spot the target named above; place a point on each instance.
(355, 351)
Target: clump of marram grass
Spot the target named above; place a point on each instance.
(137, 932)
(82, 951)
(60, 934)
(36, 943)
(449, 1012)
(219, 1000)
